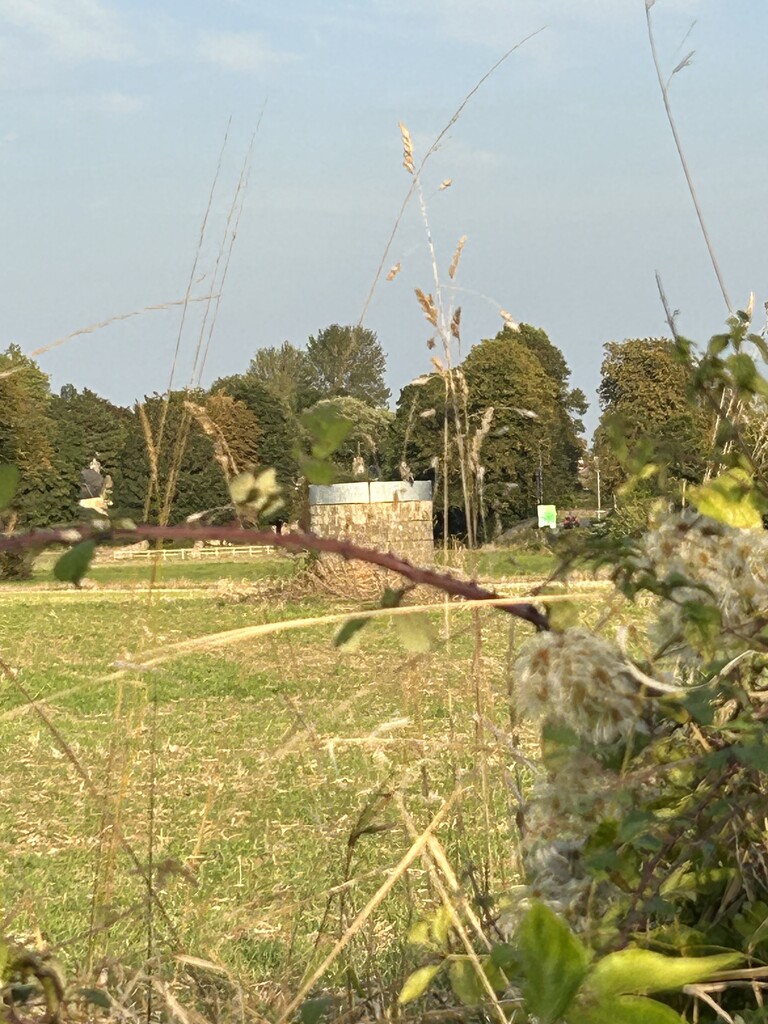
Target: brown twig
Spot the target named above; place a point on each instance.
(294, 541)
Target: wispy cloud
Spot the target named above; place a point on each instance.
(247, 52)
(70, 29)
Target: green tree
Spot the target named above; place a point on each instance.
(644, 392)
(28, 441)
(517, 423)
(347, 361)
(200, 483)
(284, 372)
(278, 437)
(87, 426)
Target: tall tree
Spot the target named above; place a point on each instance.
(284, 373)
(199, 481)
(644, 396)
(347, 361)
(278, 437)
(87, 426)
(27, 441)
(516, 425)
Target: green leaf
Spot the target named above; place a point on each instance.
(441, 926)
(731, 498)
(313, 1010)
(347, 636)
(96, 996)
(639, 971)
(624, 1010)
(73, 564)
(416, 984)
(392, 598)
(554, 963)
(465, 983)
(9, 482)
(327, 428)
(317, 471)
(420, 934)
(415, 632)
(754, 756)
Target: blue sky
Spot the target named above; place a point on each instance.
(565, 178)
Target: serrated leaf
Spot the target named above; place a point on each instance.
(96, 996)
(73, 564)
(416, 984)
(9, 483)
(554, 963)
(624, 1010)
(640, 971)
(465, 983)
(732, 499)
(416, 632)
(347, 636)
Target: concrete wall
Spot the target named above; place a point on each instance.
(387, 515)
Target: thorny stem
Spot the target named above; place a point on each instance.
(293, 541)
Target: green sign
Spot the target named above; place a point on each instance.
(547, 516)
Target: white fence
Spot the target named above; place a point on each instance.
(213, 554)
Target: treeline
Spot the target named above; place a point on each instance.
(496, 434)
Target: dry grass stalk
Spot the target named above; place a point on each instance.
(430, 152)
(427, 303)
(221, 450)
(456, 324)
(454, 915)
(395, 270)
(152, 455)
(415, 851)
(456, 257)
(405, 135)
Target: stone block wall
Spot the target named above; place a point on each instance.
(387, 515)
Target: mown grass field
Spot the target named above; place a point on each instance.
(242, 770)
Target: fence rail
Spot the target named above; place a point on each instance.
(210, 554)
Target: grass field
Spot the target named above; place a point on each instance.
(242, 771)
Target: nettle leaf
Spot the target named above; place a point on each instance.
(73, 564)
(640, 971)
(327, 429)
(348, 635)
(416, 632)
(625, 1010)
(9, 483)
(416, 984)
(554, 963)
(731, 498)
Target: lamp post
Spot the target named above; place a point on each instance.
(597, 473)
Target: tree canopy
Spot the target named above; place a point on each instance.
(347, 362)
(644, 396)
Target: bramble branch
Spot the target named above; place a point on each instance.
(293, 541)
